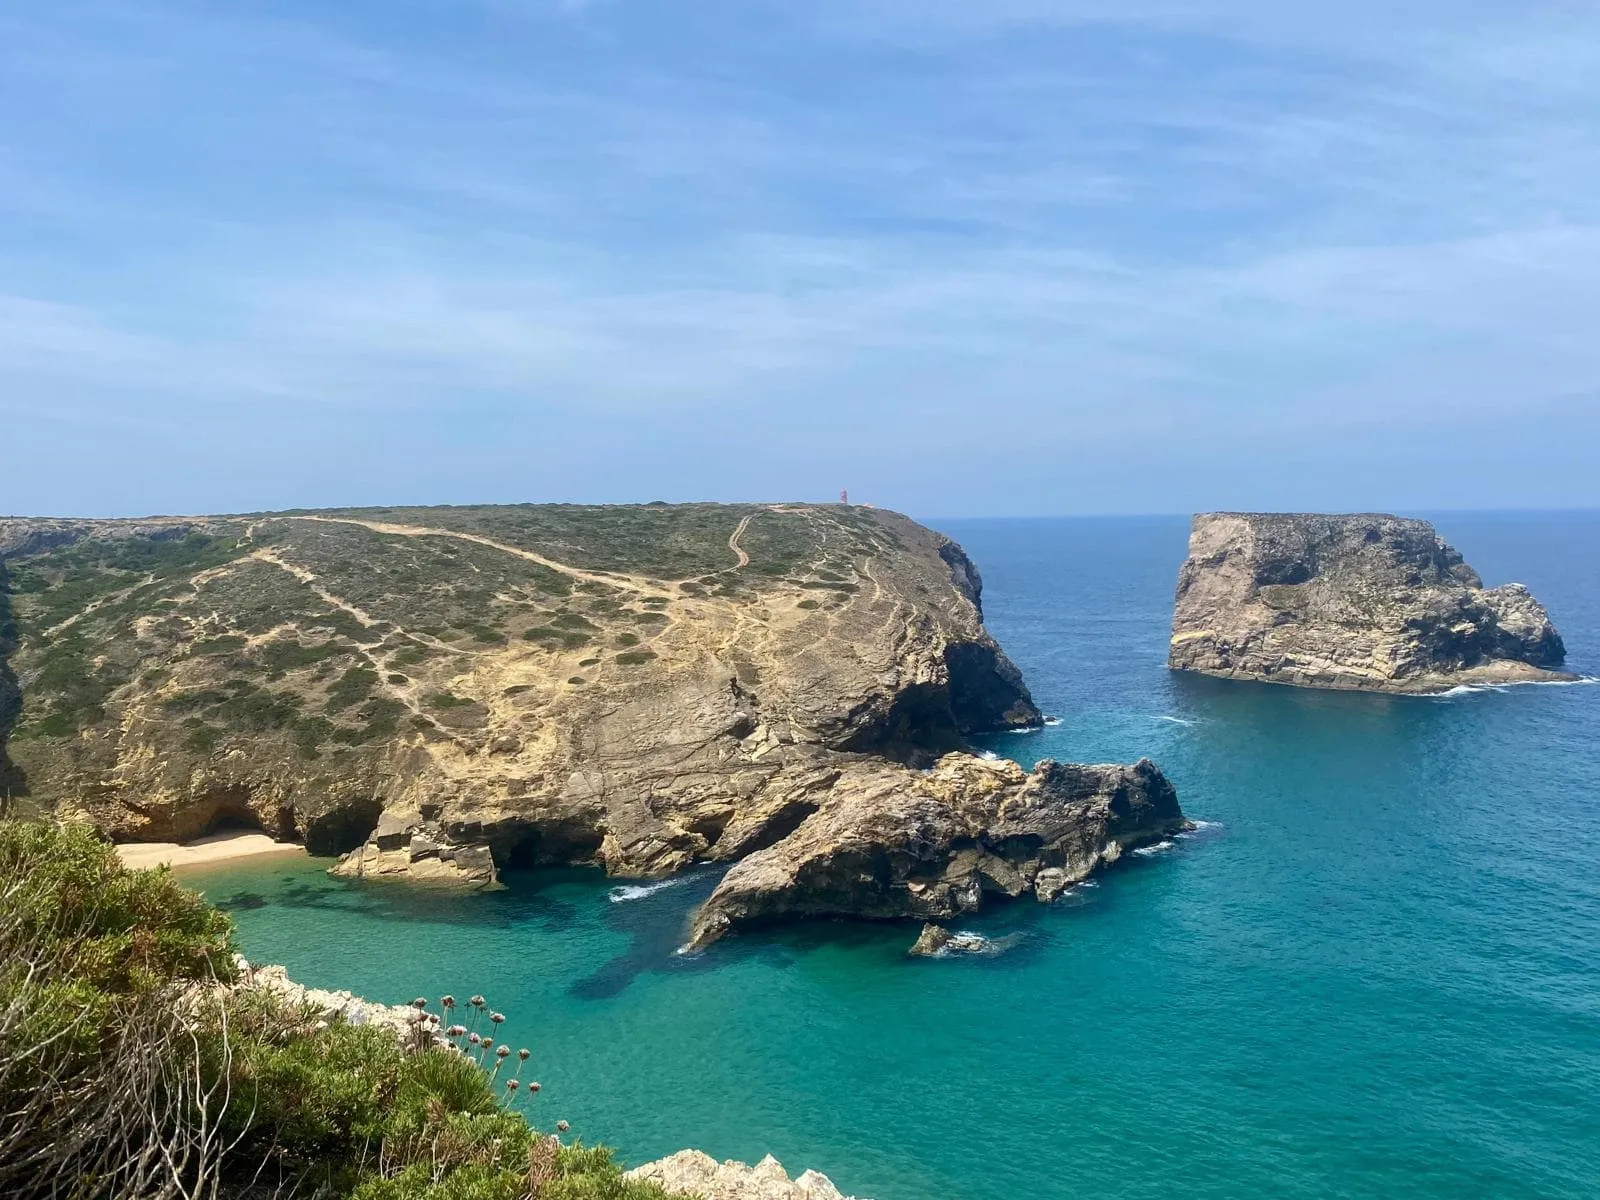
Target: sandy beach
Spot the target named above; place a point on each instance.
(221, 847)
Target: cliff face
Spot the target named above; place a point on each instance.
(452, 691)
(935, 844)
(1367, 601)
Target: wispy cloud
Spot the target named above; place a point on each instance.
(1138, 224)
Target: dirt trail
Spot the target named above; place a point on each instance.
(733, 539)
(635, 582)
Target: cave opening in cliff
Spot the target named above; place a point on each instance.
(226, 810)
(525, 845)
(917, 728)
(343, 829)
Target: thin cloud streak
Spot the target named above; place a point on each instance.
(1129, 223)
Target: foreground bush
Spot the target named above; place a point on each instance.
(128, 1069)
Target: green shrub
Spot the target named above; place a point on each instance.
(286, 654)
(354, 686)
(127, 930)
(116, 1065)
(408, 656)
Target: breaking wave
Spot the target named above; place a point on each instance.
(638, 891)
(1158, 848)
(1467, 689)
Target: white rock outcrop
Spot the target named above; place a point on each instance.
(693, 1173)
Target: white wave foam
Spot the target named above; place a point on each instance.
(1174, 720)
(1158, 848)
(1468, 689)
(1052, 720)
(967, 943)
(638, 891)
(1199, 828)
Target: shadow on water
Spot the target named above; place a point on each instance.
(655, 917)
(527, 901)
(657, 922)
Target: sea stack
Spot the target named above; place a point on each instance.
(1361, 601)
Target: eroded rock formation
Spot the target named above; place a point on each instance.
(642, 687)
(443, 694)
(885, 842)
(1363, 601)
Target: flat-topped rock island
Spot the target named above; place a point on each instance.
(1361, 601)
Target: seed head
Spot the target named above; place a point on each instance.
(477, 1002)
(447, 1001)
(533, 1087)
(563, 1126)
(502, 1051)
(511, 1085)
(522, 1056)
(474, 1038)
(497, 1018)
(419, 1002)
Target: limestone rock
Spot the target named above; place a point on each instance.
(693, 1173)
(420, 854)
(886, 843)
(640, 687)
(1369, 602)
(931, 940)
(936, 941)
(401, 1020)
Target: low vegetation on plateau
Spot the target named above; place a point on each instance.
(310, 643)
(135, 1063)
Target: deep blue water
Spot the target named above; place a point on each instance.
(1374, 973)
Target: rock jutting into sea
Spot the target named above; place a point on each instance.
(933, 845)
(439, 695)
(1364, 601)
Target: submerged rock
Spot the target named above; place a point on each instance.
(936, 941)
(889, 843)
(1365, 601)
(932, 940)
(692, 1173)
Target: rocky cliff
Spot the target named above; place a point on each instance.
(934, 844)
(1364, 601)
(441, 694)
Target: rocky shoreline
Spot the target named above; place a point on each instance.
(686, 1173)
(440, 695)
(935, 845)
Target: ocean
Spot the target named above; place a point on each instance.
(1374, 971)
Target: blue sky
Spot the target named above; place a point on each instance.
(1010, 257)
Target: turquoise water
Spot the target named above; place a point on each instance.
(1375, 973)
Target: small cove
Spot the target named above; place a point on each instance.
(1372, 972)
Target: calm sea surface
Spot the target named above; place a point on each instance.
(1374, 973)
